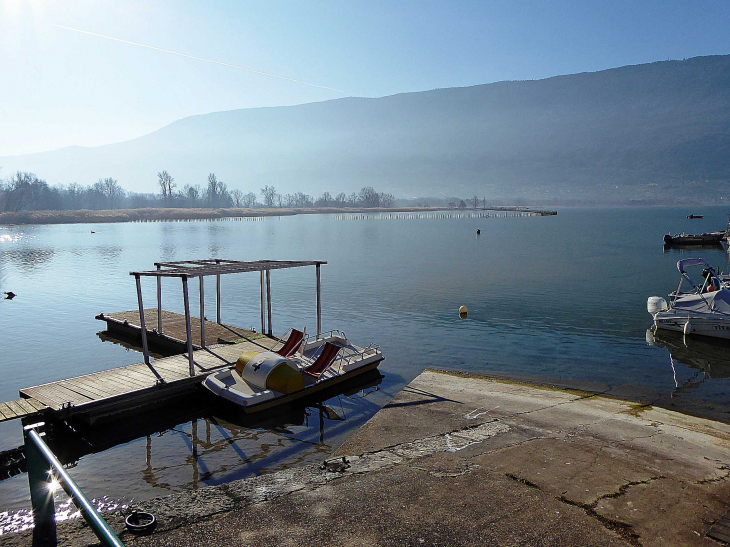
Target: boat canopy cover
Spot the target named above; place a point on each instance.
(719, 301)
(684, 263)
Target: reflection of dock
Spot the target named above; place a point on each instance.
(172, 338)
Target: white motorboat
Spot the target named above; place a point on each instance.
(704, 310)
(300, 368)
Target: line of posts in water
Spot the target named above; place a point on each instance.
(429, 216)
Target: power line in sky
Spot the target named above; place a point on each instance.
(198, 58)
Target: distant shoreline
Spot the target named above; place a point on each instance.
(86, 216)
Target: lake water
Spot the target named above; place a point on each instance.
(561, 297)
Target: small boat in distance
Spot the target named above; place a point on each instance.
(695, 216)
(705, 310)
(708, 238)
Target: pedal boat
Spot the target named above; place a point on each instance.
(264, 380)
(705, 310)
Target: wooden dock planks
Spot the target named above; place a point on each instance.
(173, 327)
(129, 381)
(20, 408)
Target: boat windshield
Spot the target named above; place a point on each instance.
(709, 284)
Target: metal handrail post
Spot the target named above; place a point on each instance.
(41, 497)
(43, 461)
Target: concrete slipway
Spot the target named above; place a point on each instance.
(465, 460)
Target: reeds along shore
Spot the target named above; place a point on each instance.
(146, 215)
(175, 214)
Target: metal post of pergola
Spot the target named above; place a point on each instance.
(185, 269)
(188, 329)
(202, 312)
(319, 302)
(263, 298)
(268, 300)
(159, 303)
(218, 296)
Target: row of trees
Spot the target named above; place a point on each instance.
(25, 192)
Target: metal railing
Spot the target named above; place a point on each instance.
(45, 474)
(349, 356)
(312, 338)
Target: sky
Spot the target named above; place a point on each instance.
(61, 88)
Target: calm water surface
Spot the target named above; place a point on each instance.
(562, 297)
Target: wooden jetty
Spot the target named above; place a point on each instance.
(101, 394)
(172, 338)
(109, 392)
(21, 408)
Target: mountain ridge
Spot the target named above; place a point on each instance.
(637, 131)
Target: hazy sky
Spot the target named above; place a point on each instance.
(59, 88)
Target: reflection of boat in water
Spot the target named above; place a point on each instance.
(300, 368)
(694, 247)
(709, 238)
(709, 356)
(705, 310)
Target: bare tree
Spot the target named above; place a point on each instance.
(340, 199)
(237, 196)
(111, 190)
(192, 194)
(326, 199)
(212, 192)
(369, 197)
(387, 200)
(167, 183)
(249, 200)
(269, 194)
(475, 200)
(23, 191)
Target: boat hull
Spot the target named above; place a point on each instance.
(701, 325)
(702, 239)
(297, 397)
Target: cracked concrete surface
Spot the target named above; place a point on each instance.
(456, 460)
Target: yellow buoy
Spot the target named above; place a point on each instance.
(463, 310)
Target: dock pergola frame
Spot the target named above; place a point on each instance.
(186, 269)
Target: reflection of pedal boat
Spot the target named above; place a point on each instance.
(260, 381)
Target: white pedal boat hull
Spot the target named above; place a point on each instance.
(230, 386)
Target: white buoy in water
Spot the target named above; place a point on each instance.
(463, 310)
